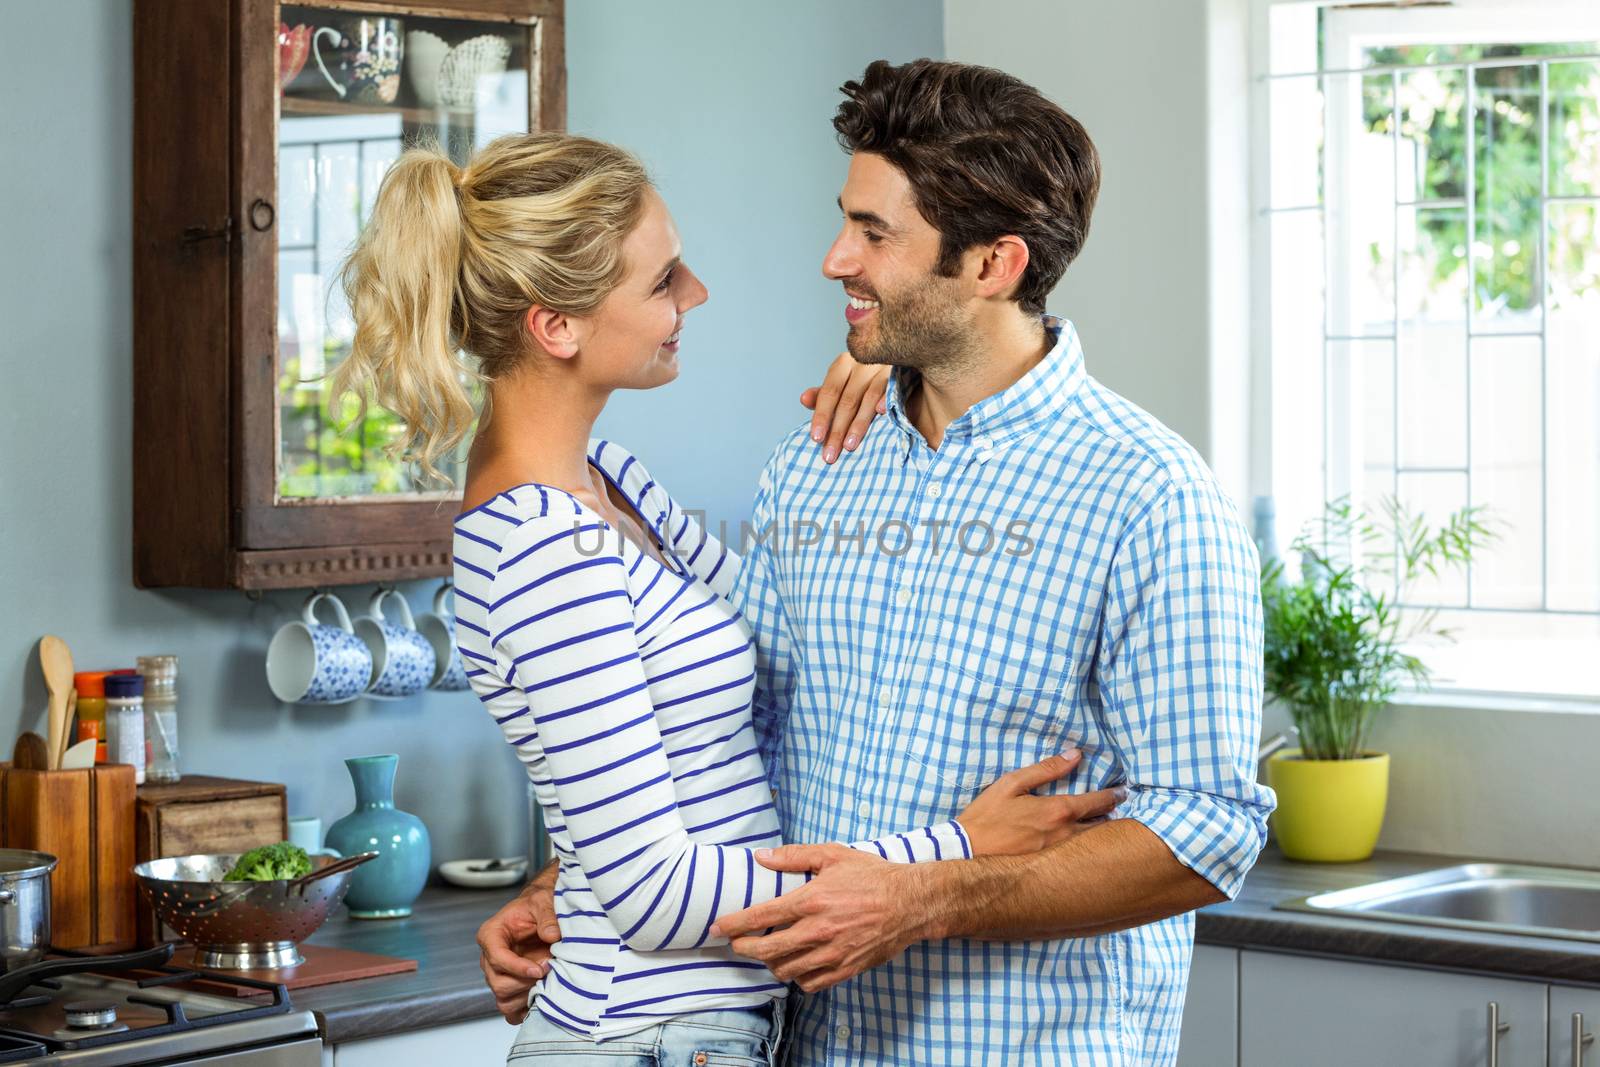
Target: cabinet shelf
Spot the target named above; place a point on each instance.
(322, 107)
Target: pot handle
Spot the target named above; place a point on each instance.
(8, 896)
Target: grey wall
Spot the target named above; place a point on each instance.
(729, 104)
(1159, 294)
(1137, 292)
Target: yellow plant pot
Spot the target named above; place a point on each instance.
(1329, 811)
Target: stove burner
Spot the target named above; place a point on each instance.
(90, 1014)
(39, 1017)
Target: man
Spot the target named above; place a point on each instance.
(1015, 561)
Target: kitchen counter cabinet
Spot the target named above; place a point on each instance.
(1565, 1003)
(478, 1041)
(1332, 1013)
(1211, 1014)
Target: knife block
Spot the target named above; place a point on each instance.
(84, 819)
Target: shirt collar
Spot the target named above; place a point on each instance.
(1034, 400)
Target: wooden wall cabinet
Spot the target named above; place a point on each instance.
(248, 187)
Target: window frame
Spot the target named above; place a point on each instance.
(1357, 29)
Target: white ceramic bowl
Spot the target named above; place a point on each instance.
(459, 872)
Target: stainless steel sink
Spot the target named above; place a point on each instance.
(1505, 898)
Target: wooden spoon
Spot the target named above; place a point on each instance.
(30, 753)
(69, 728)
(56, 659)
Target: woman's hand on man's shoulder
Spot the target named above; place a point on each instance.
(850, 397)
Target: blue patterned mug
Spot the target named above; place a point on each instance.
(309, 662)
(402, 660)
(440, 630)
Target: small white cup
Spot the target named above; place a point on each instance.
(306, 832)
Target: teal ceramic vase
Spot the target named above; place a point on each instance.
(383, 888)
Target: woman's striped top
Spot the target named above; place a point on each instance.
(625, 687)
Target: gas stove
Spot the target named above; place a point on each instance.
(101, 1011)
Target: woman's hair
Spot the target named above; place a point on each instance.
(452, 258)
(986, 155)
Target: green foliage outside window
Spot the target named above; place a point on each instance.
(1506, 161)
(327, 454)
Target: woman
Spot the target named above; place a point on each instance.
(591, 606)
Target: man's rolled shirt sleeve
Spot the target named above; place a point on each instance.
(1180, 676)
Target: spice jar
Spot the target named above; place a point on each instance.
(125, 722)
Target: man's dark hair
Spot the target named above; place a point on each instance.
(986, 155)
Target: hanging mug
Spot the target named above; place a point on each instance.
(440, 630)
(309, 662)
(402, 659)
(365, 56)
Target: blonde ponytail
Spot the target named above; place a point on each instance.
(452, 258)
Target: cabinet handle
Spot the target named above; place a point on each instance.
(1496, 1028)
(1579, 1039)
(261, 214)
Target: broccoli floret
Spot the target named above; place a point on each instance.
(270, 863)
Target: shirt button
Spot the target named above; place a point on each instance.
(864, 809)
(904, 595)
(842, 1032)
(935, 491)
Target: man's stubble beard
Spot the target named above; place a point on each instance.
(922, 329)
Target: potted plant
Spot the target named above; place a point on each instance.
(1336, 652)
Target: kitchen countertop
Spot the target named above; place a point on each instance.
(1249, 922)
(448, 987)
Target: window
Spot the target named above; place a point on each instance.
(1431, 216)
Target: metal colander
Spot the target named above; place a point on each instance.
(240, 925)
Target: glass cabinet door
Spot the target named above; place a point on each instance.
(356, 87)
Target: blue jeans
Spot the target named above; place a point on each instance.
(739, 1037)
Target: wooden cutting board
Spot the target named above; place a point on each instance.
(323, 966)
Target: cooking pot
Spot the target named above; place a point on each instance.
(24, 906)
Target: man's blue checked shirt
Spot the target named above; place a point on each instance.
(1063, 571)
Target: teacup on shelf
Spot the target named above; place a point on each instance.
(365, 53)
(294, 48)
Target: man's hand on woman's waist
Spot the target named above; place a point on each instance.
(514, 944)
